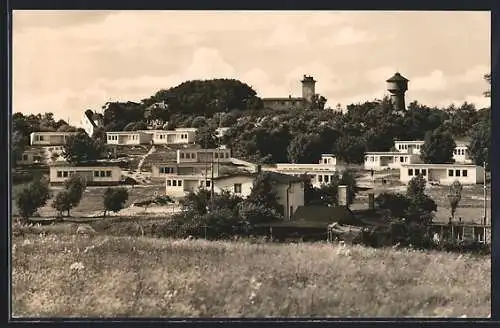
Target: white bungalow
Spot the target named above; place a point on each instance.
(289, 189)
(181, 185)
(460, 154)
(198, 155)
(162, 170)
(388, 160)
(50, 138)
(444, 174)
(171, 137)
(98, 173)
(128, 138)
(320, 173)
(30, 157)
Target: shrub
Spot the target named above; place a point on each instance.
(32, 197)
(62, 202)
(114, 199)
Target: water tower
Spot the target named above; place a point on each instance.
(308, 88)
(397, 86)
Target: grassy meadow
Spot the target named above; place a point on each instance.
(64, 274)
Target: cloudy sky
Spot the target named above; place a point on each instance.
(66, 62)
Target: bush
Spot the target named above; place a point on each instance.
(32, 197)
(62, 203)
(115, 199)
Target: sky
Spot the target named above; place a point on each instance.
(66, 62)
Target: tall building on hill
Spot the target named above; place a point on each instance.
(308, 92)
(397, 85)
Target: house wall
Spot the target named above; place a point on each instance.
(88, 172)
(31, 157)
(319, 175)
(443, 175)
(49, 139)
(128, 138)
(407, 147)
(178, 185)
(388, 161)
(295, 197)
(228, 184)
(461, 154)
(199, 156)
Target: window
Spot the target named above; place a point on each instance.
(169, 183)
(59, 174)
(424, 172)
(182, 155)
(464, 173)
(179, 183)
(96, 174)
(71, 173)
(401, 159)
(324, 161)
(417, 171)
(174, 183)
(454, 151)
(103, 174)
(327, 178)
(216, 155)
(41, 138)
(65, 174)
(291, 211)
(457, 173)
(450, 173)
(237, 188)
(208, 183)
(108, 174)
(320, 178)
(25, 157)
(463, 151)
(410, 172)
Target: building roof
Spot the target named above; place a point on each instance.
(410, 141)
(388, 153)
(321, 213)
(85, 164)
(283, 99)
(275, 176)
(439, 166)
(55, 132)
(397, 78)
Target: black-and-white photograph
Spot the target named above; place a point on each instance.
(251, 164)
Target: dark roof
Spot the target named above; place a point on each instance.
(325, 214)
(275, 176)
(283, 99)
(397, 78)
(90, 118)
(84, 164)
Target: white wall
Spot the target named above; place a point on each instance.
(228, 184)
(114, 178)
(441, 174)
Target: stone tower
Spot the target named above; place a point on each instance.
(308, 88)
(397, 86)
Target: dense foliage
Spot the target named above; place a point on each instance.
(32, 197)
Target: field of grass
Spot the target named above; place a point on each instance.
(68, 275)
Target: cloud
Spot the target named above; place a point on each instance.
(478, 101)
(380, 74)
(260, 81)
(473, 74)
(349, 36)
(323, 19)
(284, 35)
(434, 82)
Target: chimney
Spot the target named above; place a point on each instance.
(342, 195)
(258, 168)
(371, 201)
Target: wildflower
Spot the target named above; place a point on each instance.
(26, 242)
(77, 266)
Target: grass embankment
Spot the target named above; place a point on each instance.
(68, 275)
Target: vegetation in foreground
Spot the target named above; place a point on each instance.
(104, 276)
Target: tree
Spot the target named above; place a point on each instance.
(480, 144)
(421, 207)
(62, 202)
(206, 137)
(115, 199)
(263, 193)
(32, 197)
(395, 205)
(438, 148)
(303, 148)
(199, 121)
(350, 149)
(454, 196)
(81, 148)
(327, 194)
(71, 196)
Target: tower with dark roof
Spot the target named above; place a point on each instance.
(397, 86)
(308, 88)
